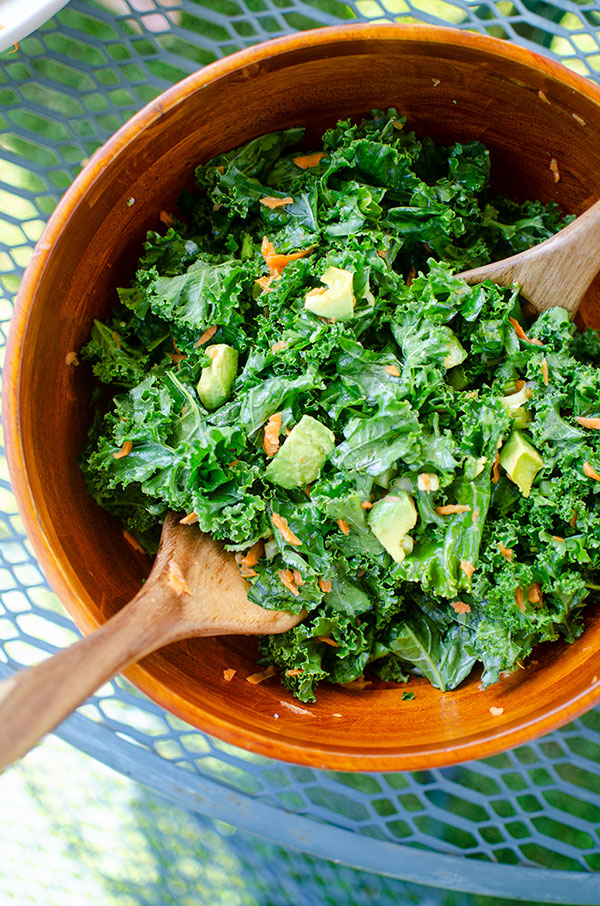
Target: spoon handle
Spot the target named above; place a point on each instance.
(558, 271)
(35, 700)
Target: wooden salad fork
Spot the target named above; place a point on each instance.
(194, 589)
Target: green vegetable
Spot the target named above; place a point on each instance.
(299, 460)
(393, 388)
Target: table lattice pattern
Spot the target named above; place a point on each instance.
(524, 823)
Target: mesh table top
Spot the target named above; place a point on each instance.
(522, 824)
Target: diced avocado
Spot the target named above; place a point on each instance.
(456, 378)
(391, 519)
(455, 351)
(216, 380)
(337, 300)
(521, 461)
(298, 461)
(514, 404)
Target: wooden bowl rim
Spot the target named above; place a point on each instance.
(313, 754)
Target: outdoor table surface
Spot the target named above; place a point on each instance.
(523, 824)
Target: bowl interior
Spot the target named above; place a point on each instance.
(450, 85)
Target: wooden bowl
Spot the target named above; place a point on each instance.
(451, 85)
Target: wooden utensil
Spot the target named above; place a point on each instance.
(558, 271)
(194, 589)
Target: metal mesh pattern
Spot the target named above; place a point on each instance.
(481, 826)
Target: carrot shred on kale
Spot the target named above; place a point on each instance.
(281, 524)
(393, 370)
(286, 576)
(206, 336)
(125, 450)
(519, 330)
(545, 371)
(505, 551)
(573, 520)
(254, 554)
(270, 202)
(277, 347)
(276, 262)
(558, 538)
(255, 678)
(367, 505)
(298, 671)
(534, 593)
(343, 526)
(467, 568)
(298, 578)
(590, 472)
(325, 638)
(246, 572)
(519, 598)
(585, 422)
(496, 469)
(325, 585)
(460, 607)
(305, 161)
(451, 508)
(271, 434)
(190, 519)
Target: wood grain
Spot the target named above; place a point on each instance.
(452, 85)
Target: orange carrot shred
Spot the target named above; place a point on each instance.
(496, 469)
(393, 370)
(255, 678)
(505, 551)
(71, 358)
(271, 434)
(452, 508)
(325, 585)
(555, 170)
(383, 253)
(246, 572)
(327, 641)
(228, 674)
(304, 161)
(190, 519)
(590, 472)
(588, 422)
(343, 526)
(125, 450)
(270, 202)
(176, 579)
(467, 568)
(519, 330)
(545, 371)
(166, 218)
(534, 593)
(281, 524)
(206, 336)
(296, 672)
(133, 542)
(460, 607)
(476, 514)
(276, 263)
(265, 283)
(254, 554)
(558, 538)
(287, 578)
(298, 578)
(277, 347)
(519, 599)
(573, 520)
(367, 505)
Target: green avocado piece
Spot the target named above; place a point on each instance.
(337, 301)
(455, 351)
(391, 519)
(298, 461)
(514, 404)
(457, 378)
(216, 380)
(521, 461)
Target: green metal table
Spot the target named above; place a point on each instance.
(524, 824)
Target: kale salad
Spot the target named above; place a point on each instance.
(297, 370)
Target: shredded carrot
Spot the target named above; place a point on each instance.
(307, 491)
(476, 514)
(327, 641)
(590, 472)
(254, 554)
(534, 593)
(325, 585)
(536, 341)
(271, 431)
(166, 218)
(177, 357)
(176, 579)
(519, 330)
(393, 370)
(383, 253)
(519, 384)
(71, 359)
(343, 526)
(133, 542)
(246, 572)
(558, 538)
(267, 248)
(305, 161)
(228, 674)
(184, 410)
(125, 450)
(545, 371)
(555, 170)
(221, 168)
(276, 262)
(255, 678)
(190, 519)
(270, 202)
(496, 712)
(298, 578)
(467, 568)
(14, 50)
(277, 347)
(505, 551)
(573, 520)
(233, 463)
(206, 336)
(519, 599)
(287, 578)
(496, 469)
(588, 422)
(367, 505)
(281, 524)
(117, 338)
(298, 671)
(265, 283)
(452, 508)
(460, 607)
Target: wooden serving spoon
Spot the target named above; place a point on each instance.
(194, 589)
(558, 271)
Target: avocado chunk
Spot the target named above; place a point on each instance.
(455, 351)
(391, 519)
(216, 379)
(299, 460)
(521, 461)
(337, 300)
(514, 404)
